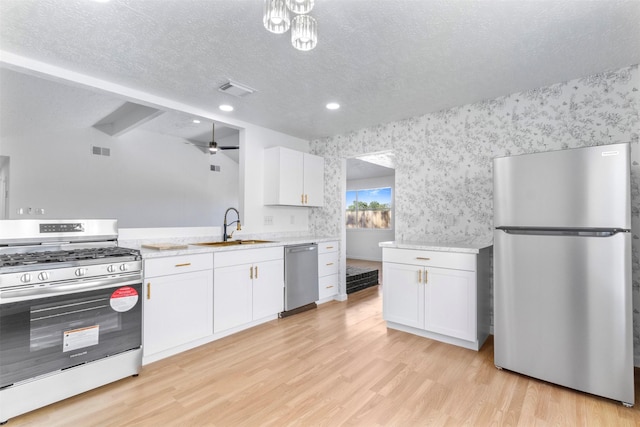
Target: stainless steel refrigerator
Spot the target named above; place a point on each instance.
(562, 268)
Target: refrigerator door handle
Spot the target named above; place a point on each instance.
(567, 232)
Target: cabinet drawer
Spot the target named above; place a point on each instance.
(328, 286)
(453, 260)
(177, 264)
(325, 247)
(327, 264)
(247, 256)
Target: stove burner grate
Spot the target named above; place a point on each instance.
(49, 257)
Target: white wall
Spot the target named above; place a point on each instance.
(363, 243)
(4, 186)
(149, 180)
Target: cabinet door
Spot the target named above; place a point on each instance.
(268, 288)
(450, 299)
(291, 177)
(178, 309)
(313, 180)
(403, 294)
(231, 296)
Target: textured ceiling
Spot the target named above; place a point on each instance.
(382, 60)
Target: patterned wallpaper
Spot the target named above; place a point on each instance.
(444, 159)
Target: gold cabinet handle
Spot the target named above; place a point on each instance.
(251, 272)
(329, 247)
(426, 277)
(302, 199)
(186, 264)
(423, 259)
(148, 290)
(329, 263)
(306, 198)
(256, 275)
(419, 276)
(329, 287)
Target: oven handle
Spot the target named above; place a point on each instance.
(66, 288)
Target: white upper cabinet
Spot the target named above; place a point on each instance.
(313, 180)
(293, 178)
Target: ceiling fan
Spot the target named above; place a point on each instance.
(212, 147)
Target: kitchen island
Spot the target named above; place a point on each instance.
(438, 290)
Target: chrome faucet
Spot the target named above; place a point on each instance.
(226, 236)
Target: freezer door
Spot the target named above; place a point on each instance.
(579, 188)
(562, 310)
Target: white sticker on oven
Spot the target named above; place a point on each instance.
(80, 338)
(124, 299)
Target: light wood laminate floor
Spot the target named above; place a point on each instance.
(337, 365)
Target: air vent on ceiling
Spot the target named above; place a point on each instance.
(236, 89)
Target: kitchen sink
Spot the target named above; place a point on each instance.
(233, 243)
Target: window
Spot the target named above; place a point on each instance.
(369, 208)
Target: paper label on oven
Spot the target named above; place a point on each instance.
(80, 338)
(124, 299)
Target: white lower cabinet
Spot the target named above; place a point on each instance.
(248, 286)
(450, 302)
(403, 295)
(439, 295)
(328, 270)
(178, 302)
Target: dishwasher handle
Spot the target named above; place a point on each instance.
(296, 249)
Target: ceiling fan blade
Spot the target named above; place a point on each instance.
(228, 148)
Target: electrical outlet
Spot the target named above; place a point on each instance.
(20, 211)
(268, 220)
(39, 211)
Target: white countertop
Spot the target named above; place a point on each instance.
(196, 249)
(464, 246)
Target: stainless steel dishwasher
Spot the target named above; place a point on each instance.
(300, 278)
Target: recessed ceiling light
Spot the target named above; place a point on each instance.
(226, 107)
(196, 121)
(333, 106)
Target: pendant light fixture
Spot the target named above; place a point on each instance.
(276, 16)
(304, 32)
(304, 28)
(300, 6)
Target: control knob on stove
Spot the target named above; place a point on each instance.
(43, 276)
(81, 272)
(25, 278)
(111, 268)
(124, 267)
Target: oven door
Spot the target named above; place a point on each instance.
(45, 329)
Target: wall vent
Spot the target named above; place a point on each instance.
(100, 151)
(215, 168)
(236, 89)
